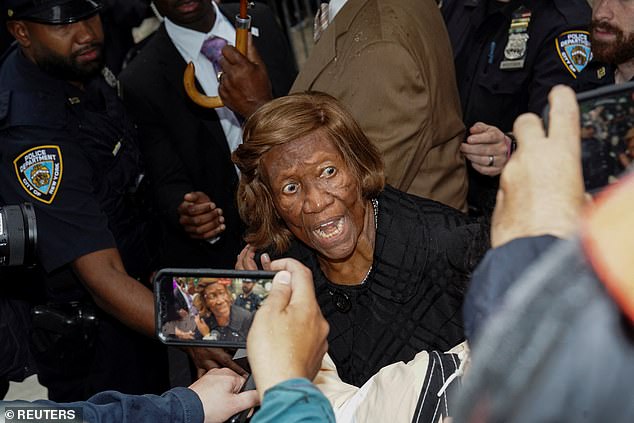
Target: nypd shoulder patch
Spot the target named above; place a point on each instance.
(39, 171)
(574, 50)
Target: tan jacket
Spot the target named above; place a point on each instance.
(390, 63)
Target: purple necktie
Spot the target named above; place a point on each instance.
(212, 50)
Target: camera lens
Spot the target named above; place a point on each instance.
(18, 235)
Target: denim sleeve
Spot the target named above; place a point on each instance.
(294, 400)
(495, 275)
(178, 405)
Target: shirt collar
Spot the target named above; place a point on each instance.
(334, 8)
(191, 41)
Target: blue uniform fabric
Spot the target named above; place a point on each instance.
(495, 275)
(72, 153)
(178, 405)
(294, 401)
(100, 164)
(479, 34)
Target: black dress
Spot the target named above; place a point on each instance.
(412, 298)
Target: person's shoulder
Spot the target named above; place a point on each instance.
(576, 13)
(141, 66)
(239, 313)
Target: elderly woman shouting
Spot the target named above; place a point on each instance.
(389, 268)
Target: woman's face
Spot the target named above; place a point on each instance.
(316, 194)
(217, 300)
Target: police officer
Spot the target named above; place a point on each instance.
(67, 146)
(248, 300)
(508, 55)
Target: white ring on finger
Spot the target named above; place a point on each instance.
(491, 161)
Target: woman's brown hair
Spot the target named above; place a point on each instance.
(284, 120)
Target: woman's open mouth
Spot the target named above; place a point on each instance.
(329, 229)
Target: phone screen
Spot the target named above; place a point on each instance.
(208, 307)
(607, 134)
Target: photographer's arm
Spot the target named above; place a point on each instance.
(286, 345)
(104, 276)
(539, 200)
(213, 398)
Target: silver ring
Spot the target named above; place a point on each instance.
(491, 161)
(219, 76)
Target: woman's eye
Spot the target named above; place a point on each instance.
(329, 171)
(289, 188)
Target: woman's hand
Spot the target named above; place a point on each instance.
(202, 326)
(246, 259)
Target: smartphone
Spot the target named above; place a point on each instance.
(607, 133)
(208, 307)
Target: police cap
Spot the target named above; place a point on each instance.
(50, 11)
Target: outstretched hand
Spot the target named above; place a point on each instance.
(288, 336)
(541, 188)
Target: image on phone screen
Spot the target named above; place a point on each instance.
(208, 307)
(607, 134)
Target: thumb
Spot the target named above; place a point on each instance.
(252, 53)
(192, 197)
(246, 399)
(281, 291)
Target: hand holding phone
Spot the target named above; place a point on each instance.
(607, 133)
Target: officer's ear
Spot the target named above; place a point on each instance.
(20, 32)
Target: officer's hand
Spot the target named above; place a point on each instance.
(246, 260)
(212, 358)
(200, 218)
(219, 392)
(541, 189)
(483, 143)
(245, 84)
(288, 336)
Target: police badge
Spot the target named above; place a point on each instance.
(39, 171)
(515, 50)
(574, 50)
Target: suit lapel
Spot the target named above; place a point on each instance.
(171, 61)
(325, 50)
(173, 66)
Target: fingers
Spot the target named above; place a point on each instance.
(485, 134)
(528, 127)
(252, 52)
(484, 150)
(302, 280)
(563, 116)
(247, 399)
(232, 57)
(201, 221)
(196, 197)
(265, 261)
(281, 291)
(246, 259)
(223, 359)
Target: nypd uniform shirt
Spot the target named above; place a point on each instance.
(70, 153)
(509, 55)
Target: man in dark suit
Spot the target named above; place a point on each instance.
(187, 148)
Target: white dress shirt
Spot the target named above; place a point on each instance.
(334, 7)
(189, 42)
